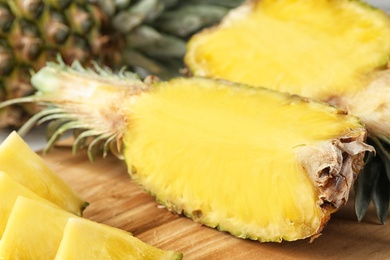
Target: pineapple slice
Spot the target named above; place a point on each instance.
(35, 230)
(256, 163)
(91, 240)
(9, 192)
(29, 169)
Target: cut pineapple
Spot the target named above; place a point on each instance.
(256, 163)
(9, 191)
(314, 48)
(90, 240)
(334, 51)
(29, 169)
(34, 230)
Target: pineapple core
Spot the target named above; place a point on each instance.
(315, 48)
(228, 156)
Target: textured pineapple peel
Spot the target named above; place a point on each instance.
(256, 163)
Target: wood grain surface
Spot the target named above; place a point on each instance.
(118, 202)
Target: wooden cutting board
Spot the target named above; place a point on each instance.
(118, 202)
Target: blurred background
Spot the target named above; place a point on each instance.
(385, 4)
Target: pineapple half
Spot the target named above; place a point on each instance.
(333, 51)
(23, 165)
(148, 36)
(250, 161)
(37, 230)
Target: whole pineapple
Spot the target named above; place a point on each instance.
(149, 36)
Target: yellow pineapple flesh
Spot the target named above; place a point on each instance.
(10, 190)
(34, 230)
(39, 230)
(314, 48)
(250, 161)
(25, 166)
(91, 240)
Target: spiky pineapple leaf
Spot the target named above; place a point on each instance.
(380, 195)
(365, 185)
(373, 183)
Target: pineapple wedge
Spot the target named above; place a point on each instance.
(22, 164)
(35, 230)
(250, 161)
(10, 190)
(91, 240)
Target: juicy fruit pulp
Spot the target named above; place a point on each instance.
(89, 240)
(29, 169)
(10, 190)
(315, 48)
(253, 162)
(34, 230)
(37, 230)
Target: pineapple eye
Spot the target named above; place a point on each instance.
(30, 9)
(6, 18)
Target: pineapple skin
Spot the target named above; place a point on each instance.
(250, 161)
(146, 35)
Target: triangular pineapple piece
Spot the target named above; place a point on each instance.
(91, 240)
(38, 230)
(34, 230)
(22, 164)
(10, 190)
(256, 163)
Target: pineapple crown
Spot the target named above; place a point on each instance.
(101, 89)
